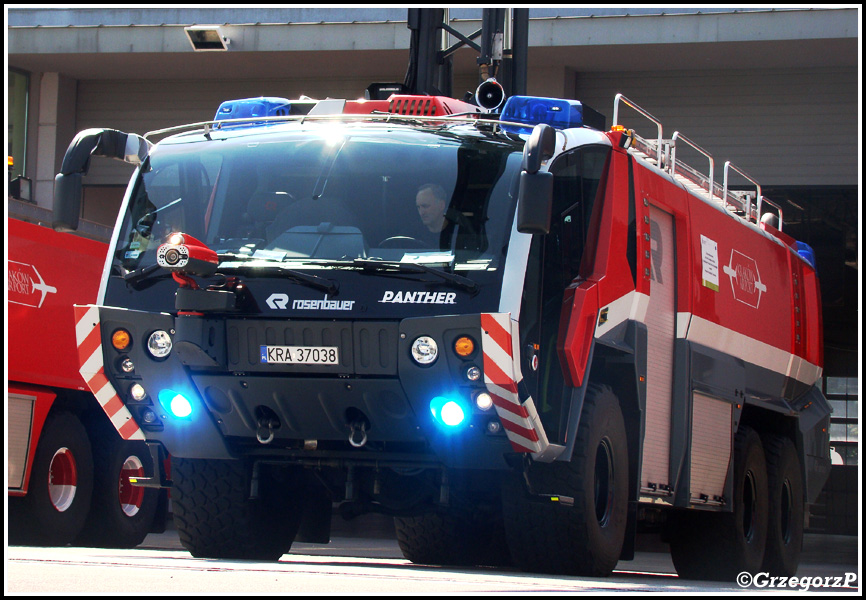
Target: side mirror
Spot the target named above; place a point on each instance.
(67, 201)
(128, 147)
(535, 198)
(540, 147)
(535, 202)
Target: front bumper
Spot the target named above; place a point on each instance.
(240, 405)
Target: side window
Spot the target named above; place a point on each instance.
(576, 182)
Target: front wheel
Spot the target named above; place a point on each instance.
(459, 539)
(216, 518)
(587, 537)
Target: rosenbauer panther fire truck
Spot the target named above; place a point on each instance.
(584, 336)
(68, 469)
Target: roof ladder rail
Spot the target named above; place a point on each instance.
(774, 205)
(616, 101)
(672, 166)
(745, 205)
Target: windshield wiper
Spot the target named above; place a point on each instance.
(380, 266)
(264, 267)
(154, 272)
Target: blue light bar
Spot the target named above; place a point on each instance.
(253, 107)
(532, 110)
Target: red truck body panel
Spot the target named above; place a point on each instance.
(48, 272)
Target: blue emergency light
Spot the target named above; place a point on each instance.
(253, 107)
(556, 112)
(449, 412)
(175, 403)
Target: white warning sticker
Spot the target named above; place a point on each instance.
(709, 263)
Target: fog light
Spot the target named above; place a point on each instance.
(159, 344)
(127, 366)
(494, 427)
(484, 401)
(447, 411)
(473, 373)
(424, 350)
(148, 416)
(137, 392)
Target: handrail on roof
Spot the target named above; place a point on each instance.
(616, 101)
(673, 164)
(742, 202)
(209, 125)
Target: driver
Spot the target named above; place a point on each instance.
(432, 203)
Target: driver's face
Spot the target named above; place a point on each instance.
(430, 209)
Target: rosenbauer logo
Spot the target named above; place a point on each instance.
(26, 286)
(745, 279)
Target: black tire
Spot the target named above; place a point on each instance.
(719, 546)
(586, 538)
(61, 484)
(456, 540)
(216, 518)
(121, 515)
(786, 507)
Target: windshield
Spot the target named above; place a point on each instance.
(320, 197)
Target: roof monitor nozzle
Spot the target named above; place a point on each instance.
(206, 38)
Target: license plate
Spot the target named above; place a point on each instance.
(300, 355)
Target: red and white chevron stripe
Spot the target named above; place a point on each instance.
(500, 346)
(89, 338)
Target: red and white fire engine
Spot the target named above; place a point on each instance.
(68, 467)
(519, 334)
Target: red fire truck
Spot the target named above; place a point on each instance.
(522, 335)
(68, 467)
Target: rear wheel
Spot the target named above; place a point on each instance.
(61, 484)
(786, 506)
(216, 518)
(586, 538)
(719, 546)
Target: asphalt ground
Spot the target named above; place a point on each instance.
(372, 536)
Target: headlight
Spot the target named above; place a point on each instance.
(425, 350)
(159, 344)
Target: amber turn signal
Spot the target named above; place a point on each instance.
(464, 346)
(120, 339)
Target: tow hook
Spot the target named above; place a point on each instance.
(358, 433)
(265, 431)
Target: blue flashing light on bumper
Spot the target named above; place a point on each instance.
(448, 412)
(175, 403)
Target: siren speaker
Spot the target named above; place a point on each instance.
(490, 95)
